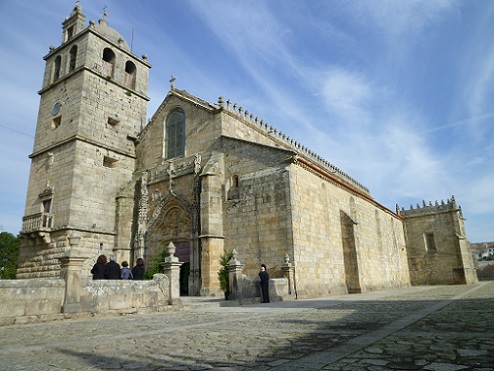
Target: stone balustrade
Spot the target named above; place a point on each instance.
(37, 222)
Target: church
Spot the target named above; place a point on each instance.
(210, 178)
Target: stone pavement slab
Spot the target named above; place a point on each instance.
(416, 328)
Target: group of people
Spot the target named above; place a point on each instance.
(110, 270)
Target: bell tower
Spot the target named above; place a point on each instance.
(92, 107)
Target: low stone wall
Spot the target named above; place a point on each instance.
(124, 296)
(251, 289)
(241, 287)
(27, 300)
(32, 300)
(485, 270)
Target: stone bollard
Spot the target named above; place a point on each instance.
(235, 277)
(288, 272)
(71, 272)
(171, 269)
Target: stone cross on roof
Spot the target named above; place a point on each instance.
(172, 82)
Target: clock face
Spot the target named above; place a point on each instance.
(56, 109)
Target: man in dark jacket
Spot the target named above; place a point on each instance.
(112, 271)
(264, 276)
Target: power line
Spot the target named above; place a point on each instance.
(17, 131)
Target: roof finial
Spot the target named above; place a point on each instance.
(105, 14)
(172, 82)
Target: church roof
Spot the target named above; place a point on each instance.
(111, 34)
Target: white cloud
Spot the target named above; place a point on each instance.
(346, 94)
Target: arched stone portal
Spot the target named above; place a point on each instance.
(171, 221)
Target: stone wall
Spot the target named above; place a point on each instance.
(28, 300)
(43, 260)
(343, 241)
(257, 207)
(125, 296)
(485, 270)
(438, 251)
(46, 299)
(202, 132)
(251, 289)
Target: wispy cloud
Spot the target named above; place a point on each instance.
(402, 20)
(481, 94)
(347, 95)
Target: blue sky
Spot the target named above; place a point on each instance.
(398, 94)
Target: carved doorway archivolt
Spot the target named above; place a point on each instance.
(171, 223)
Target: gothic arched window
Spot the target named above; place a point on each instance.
(175, 134)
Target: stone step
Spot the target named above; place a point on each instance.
(199, 302)
(196, 302)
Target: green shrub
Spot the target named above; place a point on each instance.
(9, 255)
(223, 272)
(155, 266)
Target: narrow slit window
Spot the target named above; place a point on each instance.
(429, 242)
(70, 33)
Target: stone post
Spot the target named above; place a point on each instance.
(71, 271)
(235, 268)
(171, 269)
(288, 272)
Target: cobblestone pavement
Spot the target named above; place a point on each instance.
(418, 328)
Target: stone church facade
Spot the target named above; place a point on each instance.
(209, 177)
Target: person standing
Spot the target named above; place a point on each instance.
(138, 270)
(125, 272)
(98, 270)
(264, 276)
(112, 271)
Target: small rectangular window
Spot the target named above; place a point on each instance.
(112, 122)
(109, 162)
(47, 205)
(429, 242)
(70, 33)
(46, 218)
(55, 123)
